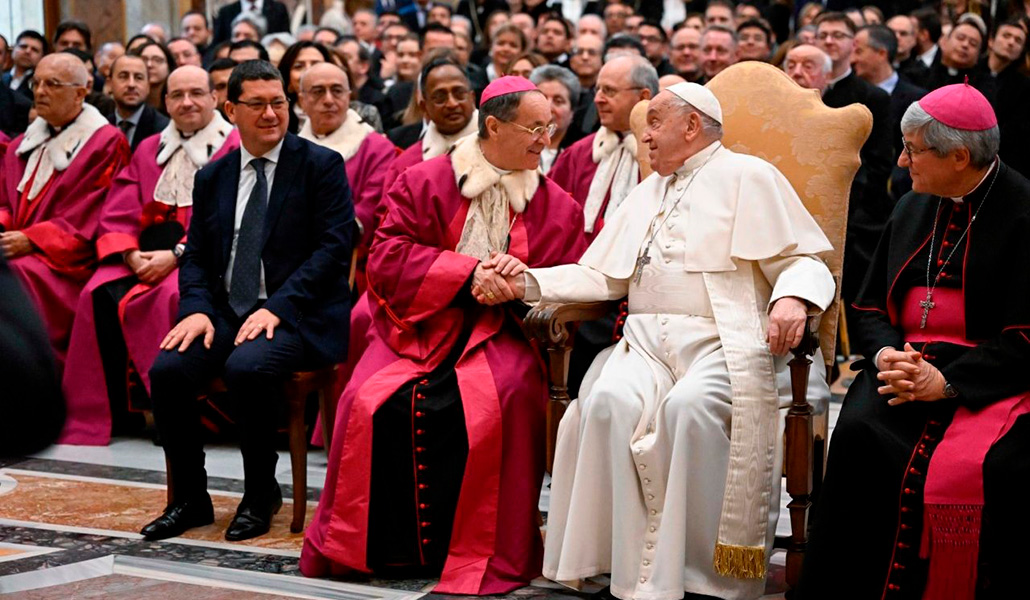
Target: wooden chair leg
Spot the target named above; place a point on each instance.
(799, 455)
(298, 456)
(327, 409)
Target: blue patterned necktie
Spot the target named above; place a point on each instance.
(246, 267)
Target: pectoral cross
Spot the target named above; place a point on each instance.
(643, 260)
(927, 305)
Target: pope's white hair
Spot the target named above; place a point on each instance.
(942, 139)
(709, 126)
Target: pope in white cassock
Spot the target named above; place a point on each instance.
(667, 468)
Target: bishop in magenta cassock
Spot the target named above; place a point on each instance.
(601, 169)
(450, 108)
(438, 451)
(132, 300)
(54, 180)
(367, 156)
(929, 467)
(324, 96)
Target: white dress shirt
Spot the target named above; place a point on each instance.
(890, 83)
(248, 179)
(928, 56)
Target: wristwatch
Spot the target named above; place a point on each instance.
(949, 391)
(178, 250)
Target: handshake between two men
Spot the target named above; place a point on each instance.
(501, 279)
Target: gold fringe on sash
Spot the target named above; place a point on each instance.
(742, 562)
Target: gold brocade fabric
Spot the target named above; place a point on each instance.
(814, 146)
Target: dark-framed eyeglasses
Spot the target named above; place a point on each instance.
(260, 105)
(911, 150)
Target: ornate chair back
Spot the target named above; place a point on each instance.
(766, 114)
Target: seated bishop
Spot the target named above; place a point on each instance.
(53, 183)
(450, 108)
(928, 471)
(131, 302)
(325, 97)
(601, 169)
(438, 452)
(667, 469)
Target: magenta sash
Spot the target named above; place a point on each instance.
(953, 499)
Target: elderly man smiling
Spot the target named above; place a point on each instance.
(703, 248)
(130, 303)
(443, 420)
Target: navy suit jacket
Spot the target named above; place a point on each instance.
(150, 122)
(273, 11)
(308, 238)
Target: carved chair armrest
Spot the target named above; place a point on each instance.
(551, 325)
(548, 323)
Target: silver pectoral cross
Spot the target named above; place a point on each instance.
(643, 260)
(927, 305)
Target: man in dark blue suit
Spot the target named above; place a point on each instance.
(274, 12)
(876, 47)
(263, 292)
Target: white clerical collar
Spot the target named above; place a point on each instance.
(962, 199)
(694, 162)
(928, 56)
(272, 155)
(890, 83)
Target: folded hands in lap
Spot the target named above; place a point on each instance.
(908, 377)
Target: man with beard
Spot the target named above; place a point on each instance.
(131, 301)
(130, 86)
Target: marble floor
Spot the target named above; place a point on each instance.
(69, 518)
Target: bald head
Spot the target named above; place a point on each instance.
(325, 97)
(65, 65)
(666, 80)
(321, 72)
(61, 81)
(190, 98)
(809, 66)
(622, 82)
(189, 74)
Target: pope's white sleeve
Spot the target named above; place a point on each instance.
(572, 283)
(804, 277)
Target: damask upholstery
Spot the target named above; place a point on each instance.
(767, 114)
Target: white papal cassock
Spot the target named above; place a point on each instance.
(642, 457)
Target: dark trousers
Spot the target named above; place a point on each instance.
(253, 373)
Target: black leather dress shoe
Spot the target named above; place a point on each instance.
(179, 517)
(253, 518)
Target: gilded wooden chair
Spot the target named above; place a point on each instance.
(817, 148)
